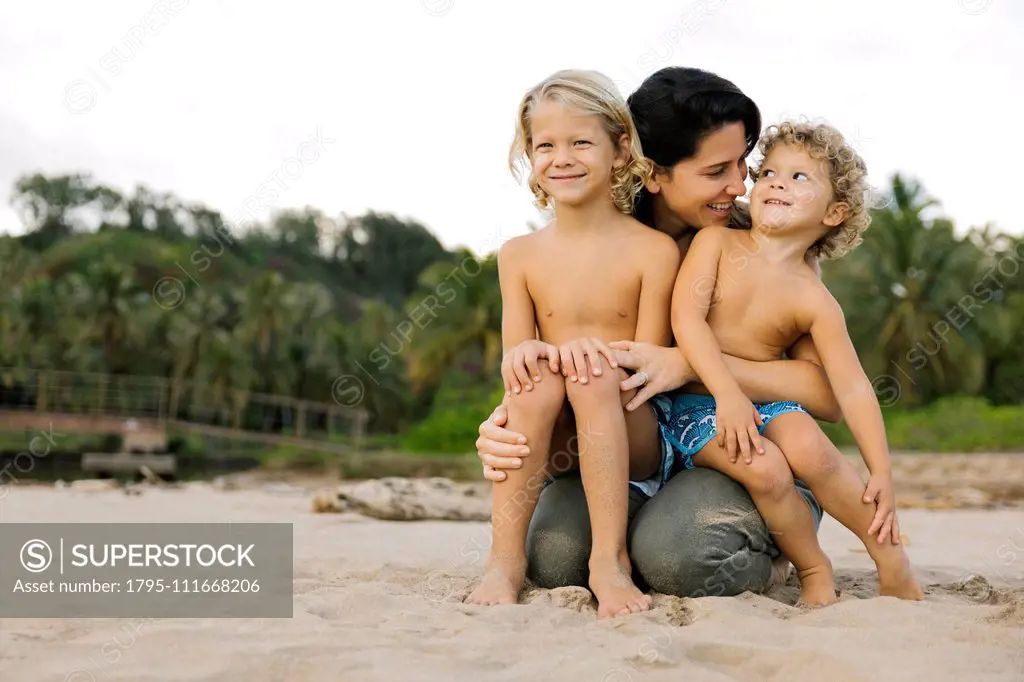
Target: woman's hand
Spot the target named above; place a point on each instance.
(576, 353)
(499, 448)
(658, 369)
(519, 368)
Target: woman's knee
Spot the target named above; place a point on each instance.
(558, 541)
(702, 536)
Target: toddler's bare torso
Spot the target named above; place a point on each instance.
(756, 305)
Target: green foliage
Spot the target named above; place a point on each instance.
(952, 424)
(453, 423)
(148, 284)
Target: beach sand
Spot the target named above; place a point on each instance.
(381, 600)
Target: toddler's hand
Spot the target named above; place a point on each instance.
(880, 491)
(575, 353)
(736, 420)
(519, 367)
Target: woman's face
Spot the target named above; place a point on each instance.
(700, 190)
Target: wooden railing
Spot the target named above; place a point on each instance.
(187, 405)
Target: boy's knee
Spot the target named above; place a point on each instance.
(600, 390)
(543, 401)
(810, 454)
(769, 475)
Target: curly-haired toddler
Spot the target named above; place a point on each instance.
(752, 294)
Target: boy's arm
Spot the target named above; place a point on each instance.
(660, 268)
(518, 321)
(691, 300)
(852, 387)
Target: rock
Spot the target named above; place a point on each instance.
(327, 502)
(94, 484)
(413, 499)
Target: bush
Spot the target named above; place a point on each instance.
(453, 423)
(948, 425)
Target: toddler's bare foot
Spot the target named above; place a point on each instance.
(501, 582)
(612, 585)
(817, 587)
(897, 580)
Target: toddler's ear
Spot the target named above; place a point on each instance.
(836, 214)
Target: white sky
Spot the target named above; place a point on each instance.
(420, 95)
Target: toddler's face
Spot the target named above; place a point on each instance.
(793, 190)
(572, 154)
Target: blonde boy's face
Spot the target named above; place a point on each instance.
(572, 155)
(793, 192)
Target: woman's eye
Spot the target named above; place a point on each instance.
(716, 173)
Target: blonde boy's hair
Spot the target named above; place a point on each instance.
(847, 175)
(589, 92)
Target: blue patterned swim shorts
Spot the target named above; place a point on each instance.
(687, 421)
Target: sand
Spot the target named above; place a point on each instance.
(381, 600)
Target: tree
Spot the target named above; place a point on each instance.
(465, 326)
(898, 289)
(383, 257)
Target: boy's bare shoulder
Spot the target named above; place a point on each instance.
(518, 248)
(650, 244)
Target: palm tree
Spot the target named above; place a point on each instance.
(466, 326)
(899, 288)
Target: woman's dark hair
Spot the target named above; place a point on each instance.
(675, 108)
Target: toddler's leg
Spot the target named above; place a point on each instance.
(769, 481)
(840, 490)
(533, 414)
(607, 448)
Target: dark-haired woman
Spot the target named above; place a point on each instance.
(699, 533)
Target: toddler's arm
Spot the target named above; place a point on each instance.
(660, 267)
(736, 418)
(860, 406)
(691, 300)
(853, 389)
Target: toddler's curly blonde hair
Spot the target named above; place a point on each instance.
(847, 174)
(589, 92)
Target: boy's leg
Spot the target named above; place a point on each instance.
(604, 442)
(769, 481)
(533, 414)
(840, 490)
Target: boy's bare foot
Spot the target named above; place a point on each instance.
(612, 585)
(817, 587)
(501, 582)
(898, 580)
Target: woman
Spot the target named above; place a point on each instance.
(700, 534)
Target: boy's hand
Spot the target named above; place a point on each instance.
(736, 420)
(519, 367)
(880, 491)
(575, 353)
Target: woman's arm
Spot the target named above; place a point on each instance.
(801, 380)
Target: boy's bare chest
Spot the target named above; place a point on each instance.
(593, 288)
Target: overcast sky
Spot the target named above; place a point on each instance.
(419, 96)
